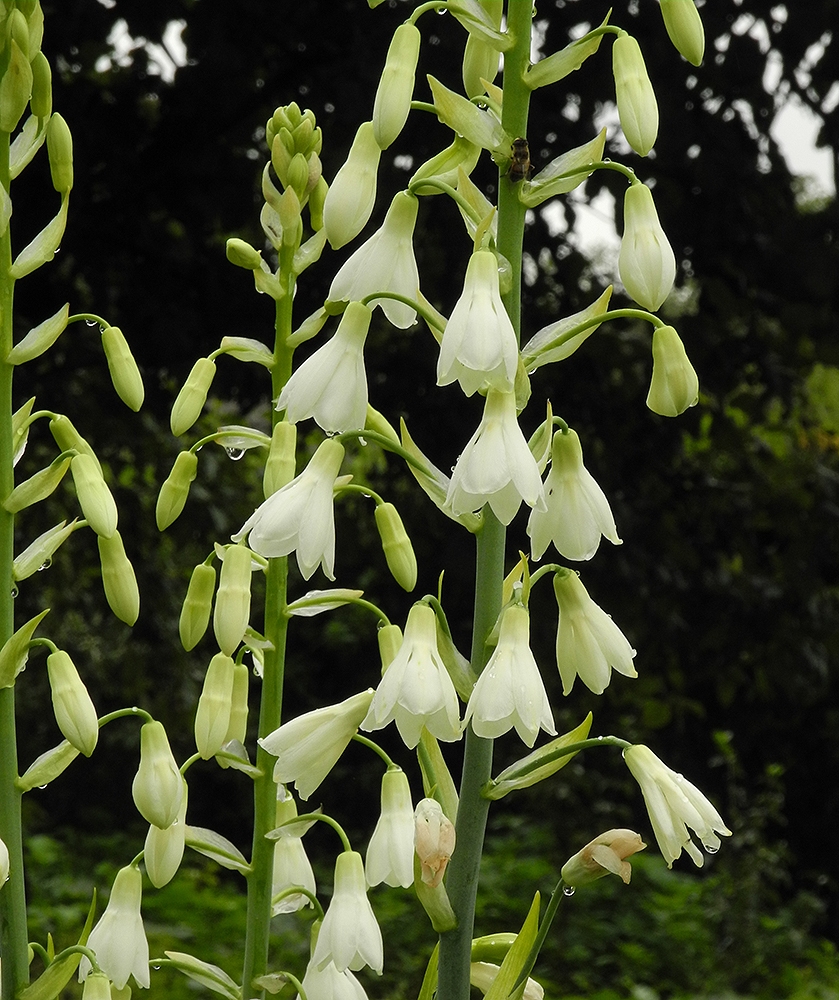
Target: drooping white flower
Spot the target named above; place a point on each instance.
(299, 517)
(606, 853)
(434, 840)
(330, 984)
(482, 975)
(510, 691)
(385, 263)
(479, 347)
(496, 467)
(291, 864)
(588, 643)
(674, 385)
(674, 804)
(416, 689)
(164, 849)
(119, 938)
(646, 262)
(390, 853)
(578, 512)
(331, 385)
(349, 936)
(308, 747)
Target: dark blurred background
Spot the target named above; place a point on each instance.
(726, 583)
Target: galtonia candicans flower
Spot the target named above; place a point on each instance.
(350, 198)
(606, 853)
(674, 804)
(299, 517)
(390, 854)
(119, 939)
(646, 262)
(291, 864)
(637, 105)
(674, 385)
(434, 840)
(349, 936)
(578, 512)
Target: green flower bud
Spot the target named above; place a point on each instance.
(60, 150)
(164, 849)
(233, 601)
(17, 30)
(125, 374)
(97, 986)
(173, 493)
(684, 26)
(480, 59)
(298, 176)
(242, 254)
(68, 438)
(674, 385)
(37, 487)
(396, 87)
(74, 711)
(35, 23)
(158, 787)
(399, 553)
(40, 102)
(195, 613)
(317, 200)
(637, 106)
(95, 498)
(212, 717)
(15, 86)
(192, 397)
(118, 579)
(281, 466)
(646, 262)
(47, 767)
(350, 199)
(390, 640)
(237, 728)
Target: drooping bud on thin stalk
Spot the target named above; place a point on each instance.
(125, 374)
(118, 579)
(684, 26)
(396, 86)
(164, 849)
(399, 553)
(675, 385)
(637, 105)
(192, 397)
(212, 717)
(158, 787)
(281, 463)
(95, 498)
(175, 490)
(233, 601)
(646, 262)
(74, 711)
(197, 606)
(350, 198)
(60, 150)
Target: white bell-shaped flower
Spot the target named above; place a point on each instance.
(300, 516)
(510, 691)
(390, 853)
(479, 347)
(331, 385)
(292, 867)
(496, 467)
(330, 984)
(385, 263)
(119, 938)
(416, 689)
(674, 804)
(588, 643)
(349, 937)
(578, 512)
(646, 263)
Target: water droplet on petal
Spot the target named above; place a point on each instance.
(234, 454)
(41, 787)
(568, 890)
(362, 442)
(91, 322)
(15, 590)
(711, 849)
(45, 565)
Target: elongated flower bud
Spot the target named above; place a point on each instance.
(390, 641)
(350, 199)
(396, 87)
(67, 437)
(118, 579)
(646, 262)
(237, 728)
(125, 374)
(97, 986)
(198, 603)
(175, 490)
(212, 717)
(74, 711)
(39, 553)
(637, 105)
(233, 601)
(164, 849)
(60, 150)
(242, 254)
(674, 385)
(191, 399)
(95, 498)
(281, 464)
(684, 26)
(15, 87)
(41, 100)
(158, 787)
(434, 839)
(399, 553)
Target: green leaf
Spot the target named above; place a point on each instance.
(213, 845)
(429, 980)
(15, 652)
(516, 959)
(59, 972)
(27, 143)
(208, 975)
(477, 22)
(558, 341)
(480, 127)
(437, 781)
(43, 247)
(246, 349)
(40, 338)
(564, 173)
(561, 64)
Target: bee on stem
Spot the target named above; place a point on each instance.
(520, 161)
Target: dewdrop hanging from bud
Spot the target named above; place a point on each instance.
(198, 604)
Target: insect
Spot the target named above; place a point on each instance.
(520, 160)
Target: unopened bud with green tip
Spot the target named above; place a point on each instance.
(74, 711)
(684, 26)
(158, 788)
(480, 59)
(192, 397)
(15, 86)
(233, 601)
(352, 194)
(242, 254)
(175, 490)
(17, 30)
(317, 200)
(237, 728)
(37, 487)
(212, 717)
(298, 176)
(118, 579)
(646, 262)
(675, 385)
(40, 103)
(390, 640)
(637, 105)
(281, 465)
(95, 499)
(97, 986)
(164, 849)
(68, 438)
(60, 150)
(396, 86)
(197, 606)
(399, 553)
(125, 374)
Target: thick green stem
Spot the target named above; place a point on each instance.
(260, 878)
(13, 933)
